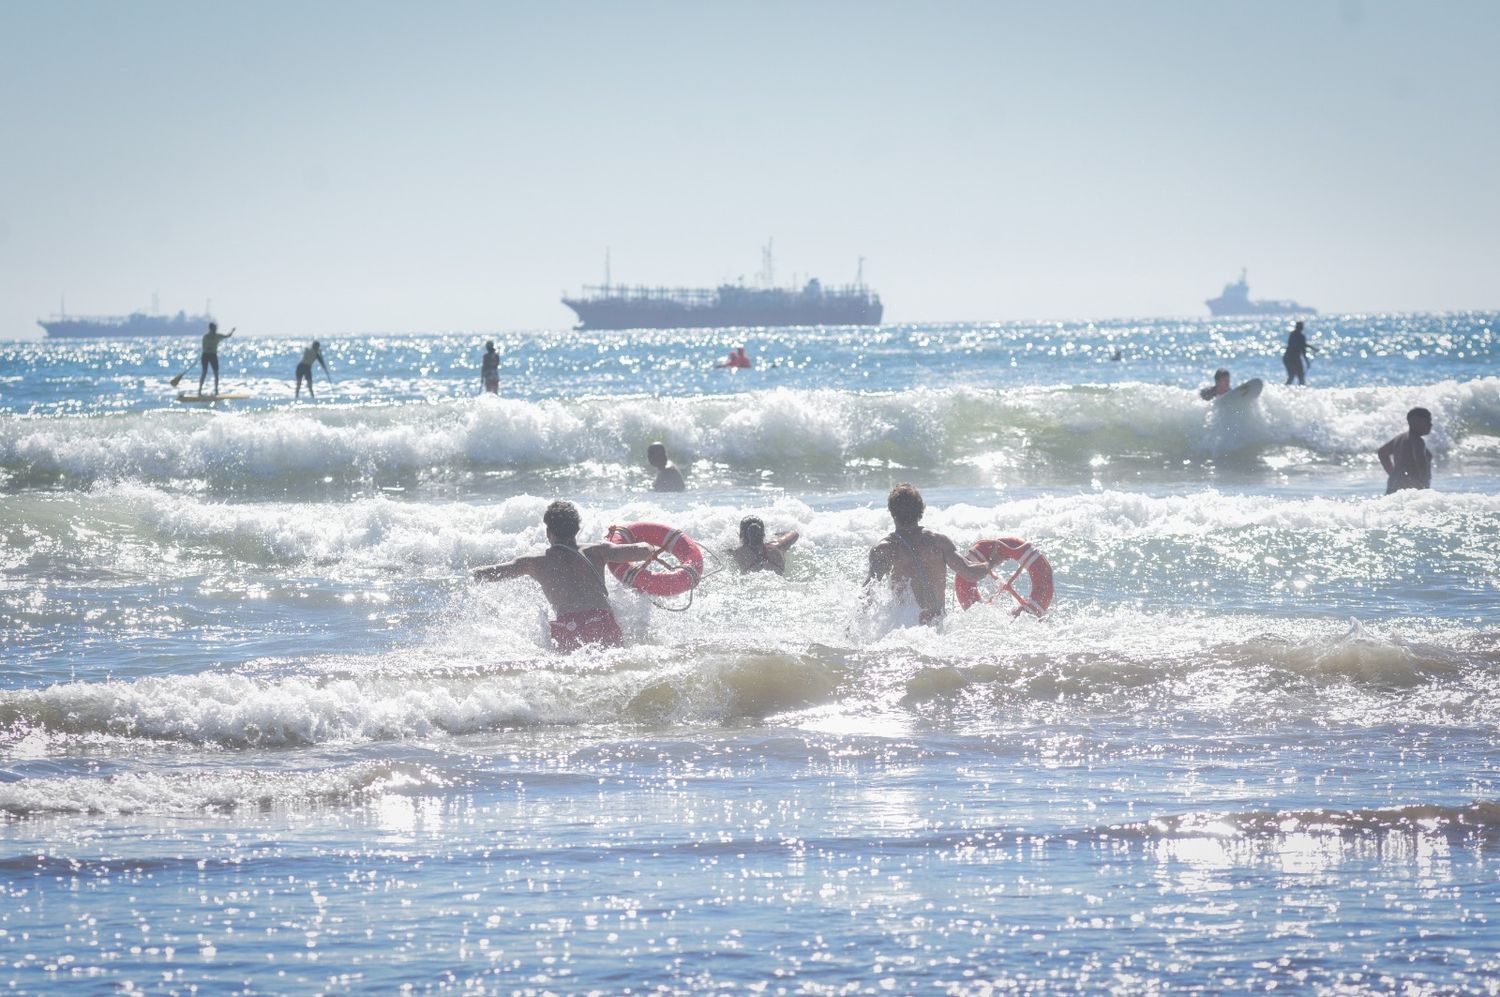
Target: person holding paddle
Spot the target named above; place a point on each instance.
(304, 369)
(209, 357)
(1295, 359)
(918, 559)
(572, 579)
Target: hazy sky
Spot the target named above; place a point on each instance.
(333, 167)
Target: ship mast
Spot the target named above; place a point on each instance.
(859, 274)
(606, 269)
(768, 264)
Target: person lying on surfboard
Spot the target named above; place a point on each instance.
(572, 579)
(918, 559)
(1219, 387)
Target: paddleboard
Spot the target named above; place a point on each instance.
(1243, 393)
(184, 397)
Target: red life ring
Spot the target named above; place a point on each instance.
(673, 581)
(1032, 562)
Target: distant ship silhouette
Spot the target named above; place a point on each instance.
(613, 306)
(1236, 301)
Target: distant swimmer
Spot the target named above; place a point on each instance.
(1219, 387)
(572, 578)
(210, 355)
(755, 553)
(668, 478)
(304, 367)
(919, 559)
(737, 358)
(1405, 458)
(489, 369)
(1295, 358)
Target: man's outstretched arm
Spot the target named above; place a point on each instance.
(521, 567)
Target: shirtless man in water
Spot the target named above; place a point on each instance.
(918, 558)
(572, 578)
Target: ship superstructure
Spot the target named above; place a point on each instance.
(1236, 301)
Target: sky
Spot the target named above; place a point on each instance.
(330, 167)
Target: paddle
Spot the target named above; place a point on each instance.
(178, 379)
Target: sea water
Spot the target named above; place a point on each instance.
(260, 732)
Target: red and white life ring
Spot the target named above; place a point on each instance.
(1031, 561)
(639, 575)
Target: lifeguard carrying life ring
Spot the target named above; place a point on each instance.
(640, 576)
(1031, 561)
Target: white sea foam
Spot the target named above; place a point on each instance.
(178, 792)
(781, 428)
(485, 673)
(380, 532)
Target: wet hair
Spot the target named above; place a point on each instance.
(1297, 327)
(752, 531)
(213, 327)
(562, 519)
(315, 344)
(1417, 415)
(656, 448)
(1221, 372)
(490, 346)
(905, 504)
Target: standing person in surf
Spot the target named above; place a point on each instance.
(489, 369)
(304, 367)
(1405, 458)
(209, 357)
(668, 478)
(916, 559)
(1295, 358)
(572, 579)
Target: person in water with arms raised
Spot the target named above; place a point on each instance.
(919, 559)
(304, 367)
(489, 369)
(668, 478)
(755, 553)
(572, 579)
(210, 355)
(1219, 387)
(1405, 458)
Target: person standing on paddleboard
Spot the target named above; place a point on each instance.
(304, 369)
(918, 559)
(572, 579)
(210, 355)
(1295, 358)
(489, 369)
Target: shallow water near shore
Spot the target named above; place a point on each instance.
(259, 732)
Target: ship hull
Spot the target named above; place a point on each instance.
(1221, 309)
(627, 314)
(125, 326)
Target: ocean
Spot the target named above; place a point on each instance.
(260, 732)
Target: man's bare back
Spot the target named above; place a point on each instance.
(572, 578)
(918, 559)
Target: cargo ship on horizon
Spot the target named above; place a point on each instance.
(1236, 301)
(615, 306)
(65, 326)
